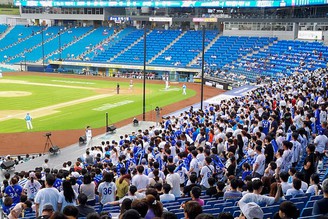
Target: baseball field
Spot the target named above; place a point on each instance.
(56, 102)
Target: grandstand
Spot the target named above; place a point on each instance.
(258, 143)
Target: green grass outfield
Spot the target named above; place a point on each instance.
(80, 114)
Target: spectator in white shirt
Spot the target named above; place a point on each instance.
(194, 165)
(174, 180)
(166, 197)
(206, 172)
(140, 180)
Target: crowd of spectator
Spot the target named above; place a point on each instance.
(256, 149)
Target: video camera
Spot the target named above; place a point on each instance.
(47, 134)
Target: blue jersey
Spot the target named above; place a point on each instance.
(98, 178)
(265, 126)
(14, 192)
(58, 183)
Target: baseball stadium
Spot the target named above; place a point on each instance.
(163, 109)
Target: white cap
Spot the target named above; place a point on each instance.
(75, 174)
(251, 210)
(32, 175)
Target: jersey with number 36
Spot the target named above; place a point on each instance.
(107, 191)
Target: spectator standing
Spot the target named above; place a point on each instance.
(32, 186)
(174, 180)
(68, 195)
(88, 188)
(140, 180)
(14, 190)
(48, 195)
(107, 189)
(206, 172)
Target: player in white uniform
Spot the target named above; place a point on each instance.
(88, 135)
(184, 89)
(167, 86)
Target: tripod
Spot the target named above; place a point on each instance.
(48, 143)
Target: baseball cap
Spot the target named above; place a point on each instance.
(32, 175)
(75, 174)
(325, 186)
(143, 161)
(48, 207)
(251, 210)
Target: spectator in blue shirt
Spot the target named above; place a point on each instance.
(296, 190)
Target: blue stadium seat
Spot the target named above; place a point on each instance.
(306, 212)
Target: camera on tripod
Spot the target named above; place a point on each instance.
(47, 134)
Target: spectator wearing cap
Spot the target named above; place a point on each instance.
(32, 186)
(320, 206)
(82, 206)
(49, 194)
(251, 211)
(47, 211)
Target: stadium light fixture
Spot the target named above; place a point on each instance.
(203, 65)
(59, 46)
(42, 38)
(144, 76)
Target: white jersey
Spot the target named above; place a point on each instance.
(195, 166)
(206, 172)
(260, 160)
(107, 191)
(174, 181)
(32, 188)
(287, 160)
(182, 173)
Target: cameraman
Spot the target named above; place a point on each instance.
(158, 114)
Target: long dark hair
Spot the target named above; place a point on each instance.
(154, 205)
(68, 191)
